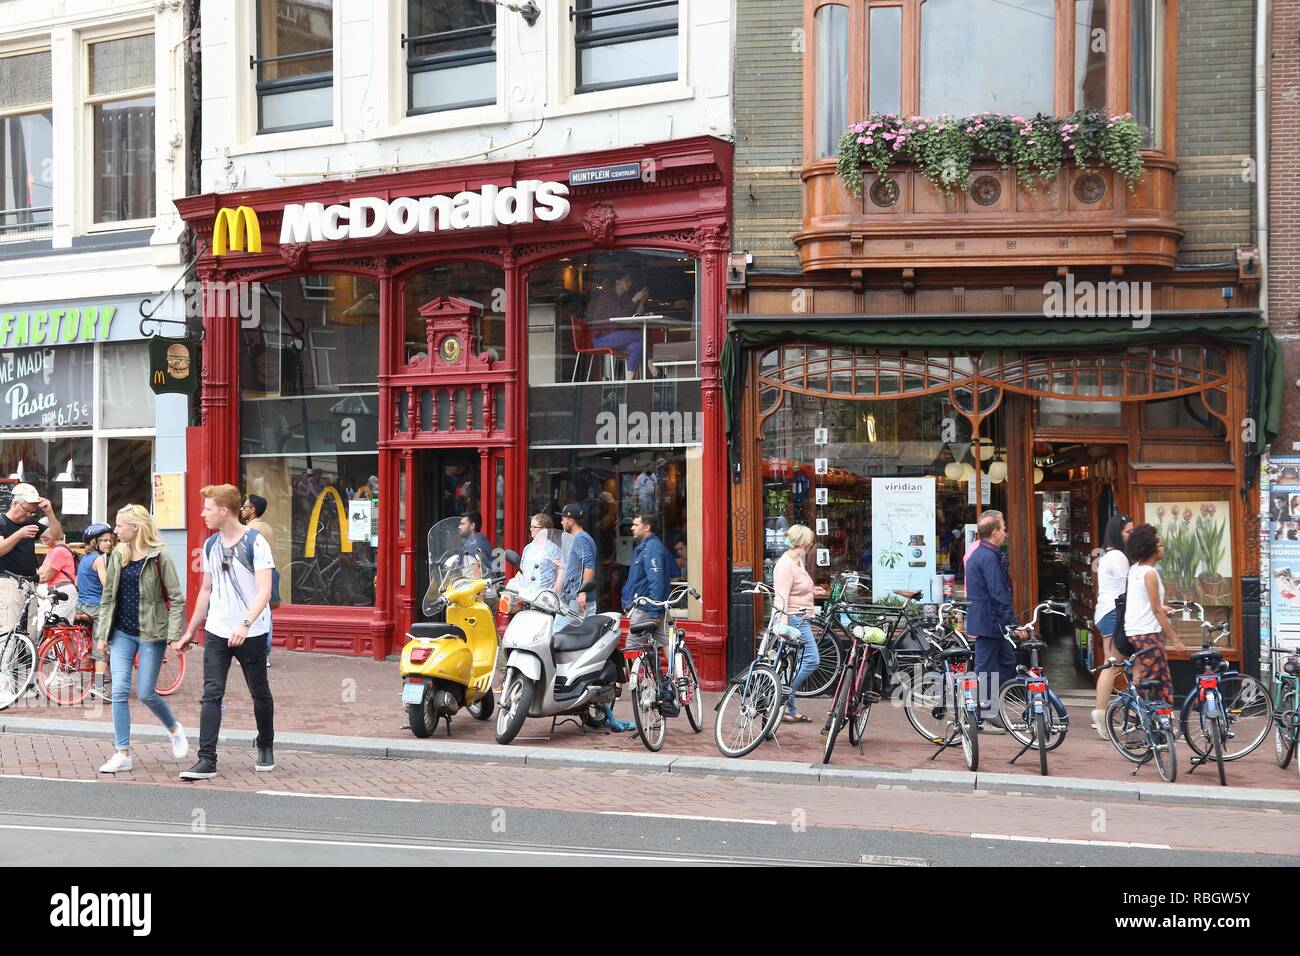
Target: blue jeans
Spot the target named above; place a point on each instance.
(122, 649)
(809, 658)
(628, 342)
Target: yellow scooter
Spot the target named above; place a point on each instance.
(446, 666)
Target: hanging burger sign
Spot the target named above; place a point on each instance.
(366, 217)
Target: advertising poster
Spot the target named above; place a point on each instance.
(1197, 565)
(169, 500)
(359, 519)
(902, 535)
(1284, 549)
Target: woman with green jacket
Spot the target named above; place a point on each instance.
(142, 611)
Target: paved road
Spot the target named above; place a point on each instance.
(50, 821)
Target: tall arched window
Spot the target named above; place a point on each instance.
(832, 22)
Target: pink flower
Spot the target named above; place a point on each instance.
(1210, 509)
(1160, 514)
(922, 126)
(1187, 514)
(1031, 142)
(868, 141)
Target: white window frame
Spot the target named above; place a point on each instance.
(243, 82)
(563, 81)
(87, 125)
(42, 45)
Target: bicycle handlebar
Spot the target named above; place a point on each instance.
(1049, 607)
(677, 592)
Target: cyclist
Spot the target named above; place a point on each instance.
(648, 577)
(1112, 580)
(1146, 619)
(91, 574)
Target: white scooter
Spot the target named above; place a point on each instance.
(574, 671)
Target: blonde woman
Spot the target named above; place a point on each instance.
(795, 592)
(142, 610)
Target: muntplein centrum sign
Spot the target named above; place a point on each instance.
(56, 325)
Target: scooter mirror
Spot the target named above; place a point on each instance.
(511, 557)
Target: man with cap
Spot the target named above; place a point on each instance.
(580, 571)
(20, 527)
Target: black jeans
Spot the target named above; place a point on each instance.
(217, 655)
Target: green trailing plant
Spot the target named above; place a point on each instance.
(944, 148)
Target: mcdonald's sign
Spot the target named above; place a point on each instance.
(236, 230)
(173, 366)
(313, 523)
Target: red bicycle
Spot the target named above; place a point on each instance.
(65, 671)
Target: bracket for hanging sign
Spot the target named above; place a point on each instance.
(148, 314)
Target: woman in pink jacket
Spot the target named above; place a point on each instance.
(795, 592)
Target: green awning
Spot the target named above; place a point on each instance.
(1027, 333)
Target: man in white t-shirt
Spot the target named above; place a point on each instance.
(233, 609)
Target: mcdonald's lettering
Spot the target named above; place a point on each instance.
(236, 230)
(313, 523)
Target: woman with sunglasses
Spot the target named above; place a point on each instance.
(1112, 579)
(141, 612)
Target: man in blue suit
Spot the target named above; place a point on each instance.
(988, 588)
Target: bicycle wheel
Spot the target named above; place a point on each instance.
(64, 672)
(831, 652)
(172, 671)
(688, 689)
(1284, 729)
(924, 703)
(1013, 711)
(651, 725)
(858, 719)
(1216, 747)
(1124, 728)
(968, 726)
(1165, 744)
(17, 668)
(1040, 739)
(1248, 708)
(748, 712)
(839, 708)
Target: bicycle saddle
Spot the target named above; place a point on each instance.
(1150, 684)
(1034, 645)
(957, 654)
(1206, 658)
(644, 627)
(910, 595)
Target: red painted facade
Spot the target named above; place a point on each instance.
(684, 206)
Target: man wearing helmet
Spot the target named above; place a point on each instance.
(91, 575)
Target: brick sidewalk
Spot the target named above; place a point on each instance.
(351, 696)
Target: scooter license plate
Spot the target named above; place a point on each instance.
(412, 693)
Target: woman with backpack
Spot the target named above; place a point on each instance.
(1112, 581)
(91, 573)
(142, 611)
(1146, 619)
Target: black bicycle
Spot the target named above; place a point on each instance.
(1029, 709)
(862, 681)
(946, 697)
(658, 694)
(1139, 727)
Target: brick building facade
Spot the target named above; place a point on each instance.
(1284, 208)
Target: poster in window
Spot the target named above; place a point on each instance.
(169, 499)
(902, 535)
(1197, 565)
(1284, 550)
(359, 519)
(47, 388)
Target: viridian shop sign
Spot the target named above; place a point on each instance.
(56, 326)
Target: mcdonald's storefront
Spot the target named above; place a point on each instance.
(501, 338)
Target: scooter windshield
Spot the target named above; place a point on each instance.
(447, 561)
(542, 564)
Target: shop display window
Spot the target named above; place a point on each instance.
(57, 467)
(1195, 527)
(323, 511)
(621, 433)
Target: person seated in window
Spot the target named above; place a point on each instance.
(614, 301)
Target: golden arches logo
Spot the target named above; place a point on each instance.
(236, 230)
(313, 523)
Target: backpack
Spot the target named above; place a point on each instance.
(1122, 643)
(244, 555)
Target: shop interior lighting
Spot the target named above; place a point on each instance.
(67, 477)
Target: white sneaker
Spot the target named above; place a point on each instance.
(180, 746)
(1099, 724)
(117, 763)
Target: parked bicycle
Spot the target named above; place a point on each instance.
(1286, 706)
(1228, 714)
(17, 652)
(942, 704)
(656, 694)
(1139, 726)
(1027, 706)
(65, 672)
(862, 682)
(751, 706)
(918, 676)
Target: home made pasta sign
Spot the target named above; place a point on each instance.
(46, 388)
